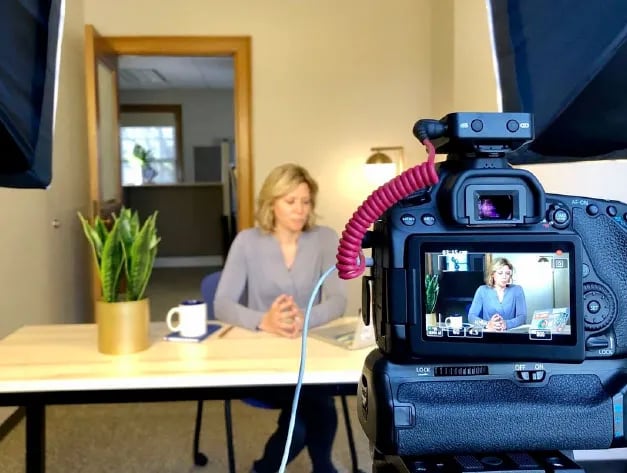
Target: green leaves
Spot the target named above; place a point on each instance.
(432, 290)
(128, 249)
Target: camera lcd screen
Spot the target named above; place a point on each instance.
(498, 292)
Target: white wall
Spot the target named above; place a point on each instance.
(207, 116)
(329, 80)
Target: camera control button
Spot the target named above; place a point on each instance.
(611, 210)
(538, 375)
(512, 125)
(408, 219)
(592, 209)
(585, 270)
(594, 306)
(524, 376)
(561, 217)
(597, 343)
(428, 220)
(420, 465)
(476, 125)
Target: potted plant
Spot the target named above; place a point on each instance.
(146, 159)
(432, 289)
(125, 255)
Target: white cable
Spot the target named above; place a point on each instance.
(301, 369)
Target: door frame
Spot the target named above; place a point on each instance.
(238, 47)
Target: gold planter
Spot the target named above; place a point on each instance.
(123, 327)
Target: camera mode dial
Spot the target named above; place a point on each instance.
(598, 305)
(558, 216)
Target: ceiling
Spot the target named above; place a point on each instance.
(174, 72)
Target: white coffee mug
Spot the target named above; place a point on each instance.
(191, 320)
(454, 322)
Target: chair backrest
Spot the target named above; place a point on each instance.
(208, 287)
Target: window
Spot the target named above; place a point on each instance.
(150, 141)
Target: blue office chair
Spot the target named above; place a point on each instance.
(208, 287)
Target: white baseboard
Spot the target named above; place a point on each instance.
(188, 261)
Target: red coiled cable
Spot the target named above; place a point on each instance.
(351, 262)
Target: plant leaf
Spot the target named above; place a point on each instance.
(111, 266)
(93, 237)
(140, 259)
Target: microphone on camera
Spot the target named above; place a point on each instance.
(429, 129)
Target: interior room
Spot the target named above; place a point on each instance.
(330, 83)
(180, 111)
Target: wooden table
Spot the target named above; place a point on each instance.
(59, 364)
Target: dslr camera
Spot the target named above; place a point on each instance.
(500, 311)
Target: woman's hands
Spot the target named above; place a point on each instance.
(283, 318)
(496, 323)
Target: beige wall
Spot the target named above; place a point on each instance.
(330, 80)
(42, 275)
(462, 73)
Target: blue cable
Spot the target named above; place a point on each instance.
(301, 369)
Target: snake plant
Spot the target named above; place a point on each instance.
(124, 254)
(432, 289)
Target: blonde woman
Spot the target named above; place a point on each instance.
(275, 267)
(499, 305)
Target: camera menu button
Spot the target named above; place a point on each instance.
(408, 219)
(428, 220)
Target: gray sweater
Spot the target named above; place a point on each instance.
(255, 272)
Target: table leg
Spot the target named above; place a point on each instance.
(35, 438)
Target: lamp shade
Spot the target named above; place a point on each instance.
(379, 158)
(379, 168)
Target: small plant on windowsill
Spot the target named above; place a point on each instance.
(124, 256)
(146, 158)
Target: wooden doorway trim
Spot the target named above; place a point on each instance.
(239, 47)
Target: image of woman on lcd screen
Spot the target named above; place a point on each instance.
(498, 305)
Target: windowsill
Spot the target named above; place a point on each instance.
(176, 184)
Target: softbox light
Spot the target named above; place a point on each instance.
(30, 32)
(565, 61)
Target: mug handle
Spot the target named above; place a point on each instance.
(168, 319)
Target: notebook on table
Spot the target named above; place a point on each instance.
(554, 319)
(212, 327)
(347, 332)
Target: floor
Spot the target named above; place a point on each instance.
(157, 438)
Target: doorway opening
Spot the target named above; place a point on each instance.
(152, 130)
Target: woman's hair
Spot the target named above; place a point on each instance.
(283, 180)
(495, 266)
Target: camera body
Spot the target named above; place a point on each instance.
(568, 255)
(472, 407)
(453, 376)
